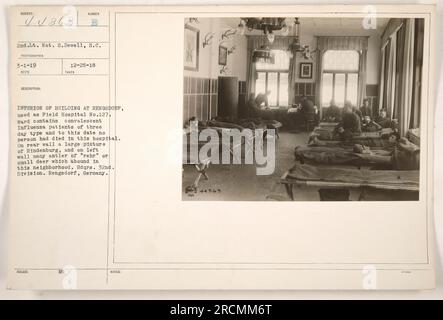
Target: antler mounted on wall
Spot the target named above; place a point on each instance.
(224, 69)
(207, 40)
(305, 50)
(227, 34)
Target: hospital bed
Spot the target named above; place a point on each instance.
(334, 177)
(325, 135)
(339, 167)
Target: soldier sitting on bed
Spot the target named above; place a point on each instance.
(383, 120)
(365, 109)
(368, 125)
(350, 124)
(253, 111)
(333, 113)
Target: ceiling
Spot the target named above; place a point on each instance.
(329, 26)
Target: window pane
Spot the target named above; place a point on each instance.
(272, 86)
(260, 84)
(345, 60)
(352, 88)
(326, 89)
(283, 94)
(339, 89)
(281, 62)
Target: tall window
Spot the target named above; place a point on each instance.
(340, 77)
(274, 77)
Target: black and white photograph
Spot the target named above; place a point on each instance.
(222, 55)
(304, 109)
(244, 151)
(306, 70)
(191, 48)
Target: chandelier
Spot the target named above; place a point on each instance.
(269, 26)
(264, 54)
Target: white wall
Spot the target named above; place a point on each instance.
(209, 67)
(373, 60)
(307, 38)
(208, 56)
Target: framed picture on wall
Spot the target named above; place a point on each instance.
(192, 36)
(222, 55)
(305, 70)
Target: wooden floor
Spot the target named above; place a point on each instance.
(240, 182)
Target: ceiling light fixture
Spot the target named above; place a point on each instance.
(264, 54)
(267, 25)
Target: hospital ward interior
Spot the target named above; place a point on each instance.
(341, 98)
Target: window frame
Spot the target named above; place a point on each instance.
(334, 72)
(278, 72)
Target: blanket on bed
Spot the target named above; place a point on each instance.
(340, 156)
(382, 178)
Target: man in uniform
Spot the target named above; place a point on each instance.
(333, 113)
(262, 99)
(383, 120)
(350, 123)
(365, 109)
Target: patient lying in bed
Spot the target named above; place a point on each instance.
(397, 154)
(341, 156)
